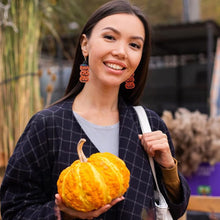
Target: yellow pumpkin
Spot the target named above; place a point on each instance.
(88, 184)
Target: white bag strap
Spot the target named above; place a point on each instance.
(145, 127)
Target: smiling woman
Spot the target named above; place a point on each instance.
(120, 7)
(113, 52)
(113, 55)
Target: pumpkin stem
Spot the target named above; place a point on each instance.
(81, 155)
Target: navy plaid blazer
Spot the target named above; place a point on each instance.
(48, 145)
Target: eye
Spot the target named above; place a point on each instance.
(109, 37)
(134, 45)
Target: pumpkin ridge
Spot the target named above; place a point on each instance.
(60, 180)
(79, 196)
(100, 179)
(117, 173)
(87, 204)
(91, 190)
(69, 196)
(82, 194)
(121, 168)
(109, 178)
(63, 195)
(124, 171)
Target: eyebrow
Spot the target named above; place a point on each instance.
(117, 32)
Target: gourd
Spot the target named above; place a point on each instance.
(89, 184)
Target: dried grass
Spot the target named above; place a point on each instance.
(196, 138)
(20, 94)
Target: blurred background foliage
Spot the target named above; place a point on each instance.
(66, 18)
(62, 13)
(19, 83)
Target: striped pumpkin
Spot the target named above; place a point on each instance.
(89, 184)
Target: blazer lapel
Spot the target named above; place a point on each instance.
(130, 149)
(127, 134)
(136, 159)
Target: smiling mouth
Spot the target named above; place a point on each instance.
(114, 66)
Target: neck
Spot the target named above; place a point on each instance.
(97, 105)
(99, 99)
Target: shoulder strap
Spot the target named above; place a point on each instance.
(145, 127)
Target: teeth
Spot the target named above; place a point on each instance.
(114, 66)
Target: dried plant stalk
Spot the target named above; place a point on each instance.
(20, 96)
(196, 138)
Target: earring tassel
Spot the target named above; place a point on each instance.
(84, 72)
(129, 84)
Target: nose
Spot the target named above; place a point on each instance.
(120, 51)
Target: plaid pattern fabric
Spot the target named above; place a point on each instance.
(48, 145)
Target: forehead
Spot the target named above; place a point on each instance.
(124, 23)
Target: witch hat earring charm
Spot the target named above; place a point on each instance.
(84, 72)
(129, 83)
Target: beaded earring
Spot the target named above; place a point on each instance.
(129, 83)
(84, 72)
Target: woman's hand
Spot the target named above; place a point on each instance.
(84, 215)
(156, 145)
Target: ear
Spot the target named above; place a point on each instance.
(84, 45)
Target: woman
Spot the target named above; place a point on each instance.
(115, 46)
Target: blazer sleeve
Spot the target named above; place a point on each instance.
(177, 210)
(25, 191)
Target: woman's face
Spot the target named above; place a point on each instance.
(114, 49)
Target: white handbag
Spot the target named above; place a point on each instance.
(162, 210)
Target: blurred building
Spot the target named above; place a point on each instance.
(181, 66)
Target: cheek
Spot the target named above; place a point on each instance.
(135, 62)
(94, 58)
(95, 54)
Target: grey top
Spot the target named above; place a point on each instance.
(105, 138)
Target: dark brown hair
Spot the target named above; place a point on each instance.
(113, 7)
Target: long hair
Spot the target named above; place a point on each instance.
(131, 96)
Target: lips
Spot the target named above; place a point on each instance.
(115, 66)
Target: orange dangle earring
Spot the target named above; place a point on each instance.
(129, 83)
(84, 72)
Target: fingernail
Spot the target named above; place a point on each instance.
(140, 136)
